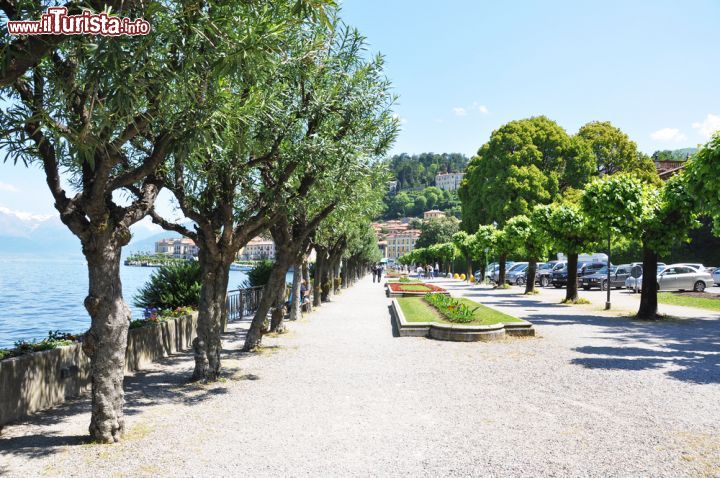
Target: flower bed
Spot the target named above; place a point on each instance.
(451, 309)
(404, 289)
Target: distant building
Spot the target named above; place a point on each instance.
(400, 243)
(433, 214)
(258, 248)
(181, 248)
(448, 181)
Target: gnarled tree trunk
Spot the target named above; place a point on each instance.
(274, 287)
(648, 298)
(211, 315)
(571, 293)
(106, 341)
(296, 304)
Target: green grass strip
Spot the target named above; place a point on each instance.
(699, 302)
(416, 309)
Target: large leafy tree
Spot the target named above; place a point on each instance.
(484, 245)
(703, 179)
(437, 230)
(227, 172)
(616, 206)
(103, 113)
(670, 214)
(348, 124)
(465, 244)
(615, 152)
(568, 227)
(525, 163)
(528, 240)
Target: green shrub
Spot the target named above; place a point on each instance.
(171, 287)
(54, 339)
(452, 309)
(259, 275)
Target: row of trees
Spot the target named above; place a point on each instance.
(533, 189)
(256, 116)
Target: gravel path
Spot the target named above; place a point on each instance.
(592, 395)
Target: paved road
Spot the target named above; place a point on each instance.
(339, 395)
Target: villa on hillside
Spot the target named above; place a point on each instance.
(433, 214)
(449, 181)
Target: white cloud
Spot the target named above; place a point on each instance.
(668, 134)
(481, 108)
(8, 188)
(707, 127)
(459, 111)
(26, 216)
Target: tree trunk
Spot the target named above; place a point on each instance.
(211, 316)
(277, 320)
(317, 282)
(106, 341)
(530, 281)
(468, 263)
(483, 270)
(330, 292)
(571, 293)
(275, 284)
(501, 272)
(345, 275)
(295, 310)
(648, 295)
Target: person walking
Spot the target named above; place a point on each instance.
(374, 272)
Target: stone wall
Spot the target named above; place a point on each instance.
(42, 380)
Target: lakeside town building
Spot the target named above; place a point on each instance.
(433, 214)
(179, 248)
(400, 243)
(258, 248)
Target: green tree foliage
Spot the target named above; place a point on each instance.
(568, 228)
(437, 230)
(528, 240)
(703, 179)
(260, 273)
(418, 171)
(669, 217)
(615, 153)
(525, 163)
(616, 205)
(465, 244)
(171, 287)
(673, 155)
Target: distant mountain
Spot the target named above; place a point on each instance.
(22, 232)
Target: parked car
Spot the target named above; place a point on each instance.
(680, 277)
(543, 275)
(495, 273)
(517, 273)
(694, 265)
(635, 284)
(559, 276)
(716, 276)
(618, 275)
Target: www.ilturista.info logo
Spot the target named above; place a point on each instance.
(56, 21)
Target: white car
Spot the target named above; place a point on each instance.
(675, 277)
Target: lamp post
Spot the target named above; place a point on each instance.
(607, 302)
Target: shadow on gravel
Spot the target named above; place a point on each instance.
(691, 345)
(167, 382)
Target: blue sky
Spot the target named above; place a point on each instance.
(462, 68)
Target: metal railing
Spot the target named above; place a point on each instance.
(243, 302)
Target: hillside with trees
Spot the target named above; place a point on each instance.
(418, 171)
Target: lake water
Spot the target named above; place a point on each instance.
(38, 294)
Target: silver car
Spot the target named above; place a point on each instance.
(676, 277)
(516, 274)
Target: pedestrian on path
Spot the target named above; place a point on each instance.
(374, 271)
